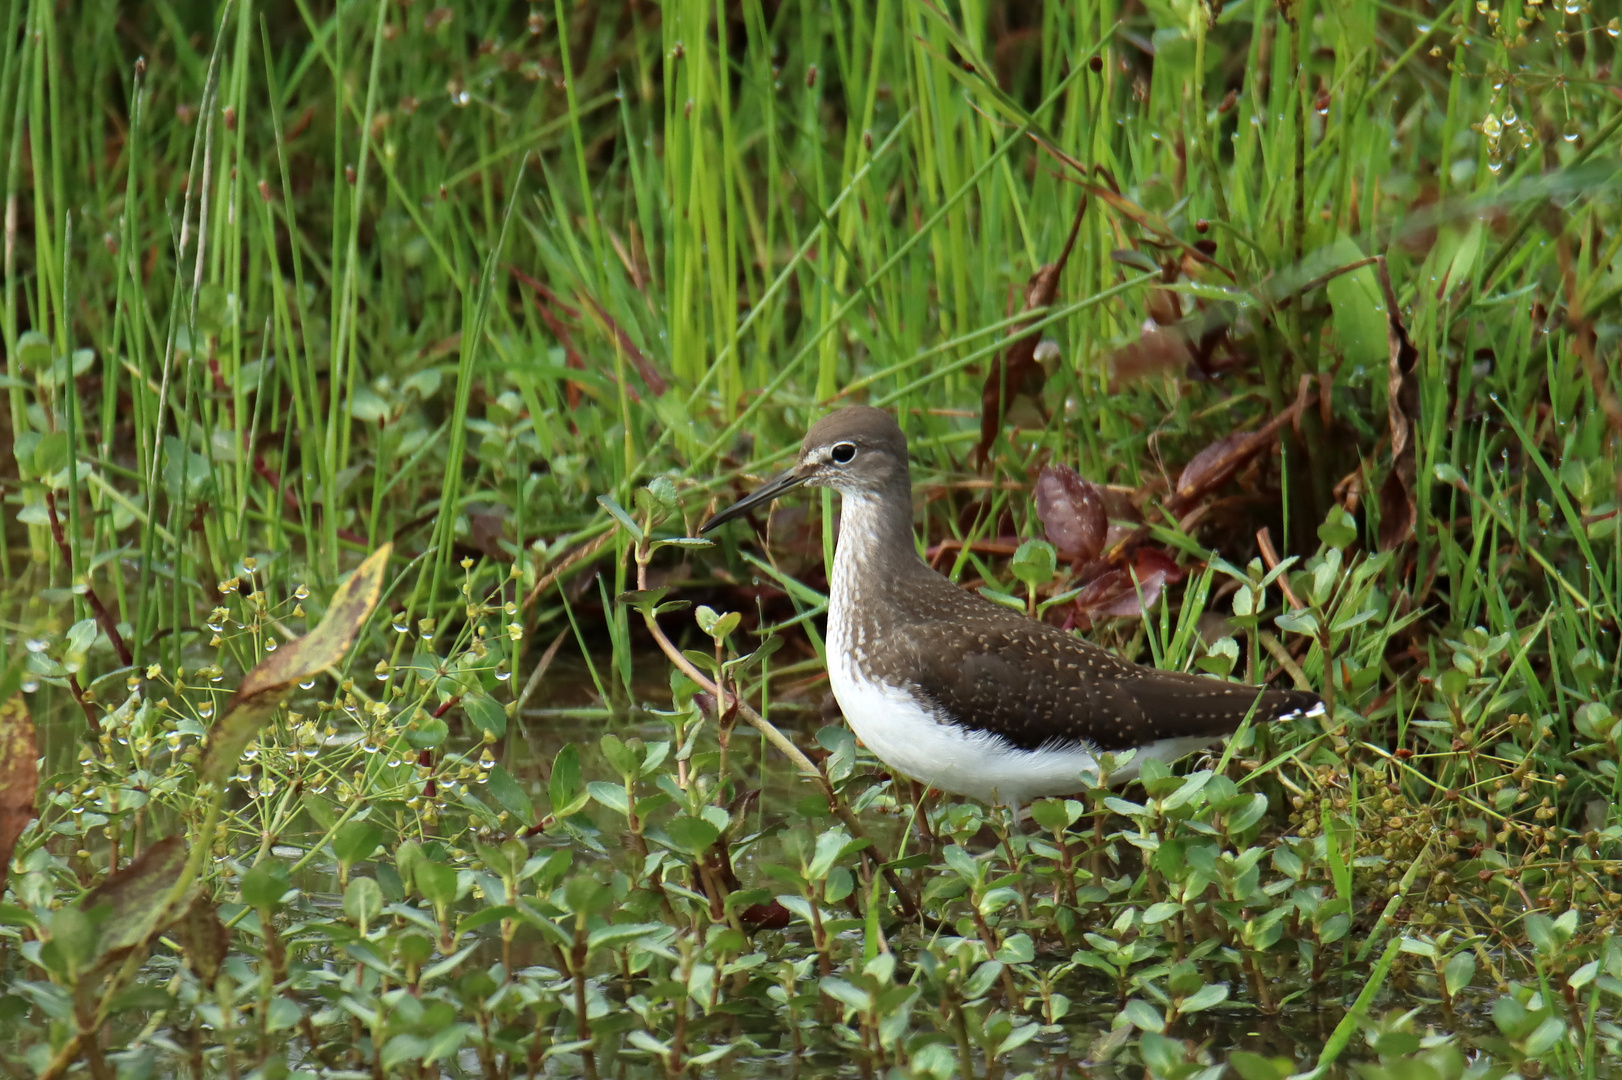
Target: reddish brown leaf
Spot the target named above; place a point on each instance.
(1217, 463)
(486, 529)
(772, 916)
(19, 776)
(1114, 593)
(1119, 508)
(644, 367)
(1072, 513)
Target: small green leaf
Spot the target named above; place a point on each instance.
(436, 881)
(1034, 563)
(486, 714)
(1298, 621)
(264, 885)
(513, 798)
(355, 841)
(621, 934)
(1447, 474)
(1460, 970)
(363, 901)
(979, 984)
(1204, 998)
(34, 350)
(565, 785)
(1144, 1016)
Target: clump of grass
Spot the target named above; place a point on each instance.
(524, 292)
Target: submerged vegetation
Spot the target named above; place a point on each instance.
(367, 709)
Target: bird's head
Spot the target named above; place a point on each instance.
(858, 450)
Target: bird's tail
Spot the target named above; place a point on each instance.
(1289, 705)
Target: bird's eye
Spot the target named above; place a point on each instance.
(843, 453)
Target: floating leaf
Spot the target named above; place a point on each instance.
(264, 687)
(1072, 513)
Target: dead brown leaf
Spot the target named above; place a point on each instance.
(19, 776)
(203, 938)
(1017, 371)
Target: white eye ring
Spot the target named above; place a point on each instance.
(842, 453)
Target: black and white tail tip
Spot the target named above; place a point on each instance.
(1316, 709)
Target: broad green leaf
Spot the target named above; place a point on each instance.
(1460, 970)
(692, 835)
(436, 882)
(486, 714)
(565, 785)
(363, 901)
(610, 795)
(512, 797)
(264, 885)
(355, 841)
(1144, 1016)
(844, 993)
(1204, 998)
(136, 895)
(612, 937)
(1358, 306)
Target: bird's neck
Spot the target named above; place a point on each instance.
(876, 553)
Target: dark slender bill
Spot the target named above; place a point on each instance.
(760, 496)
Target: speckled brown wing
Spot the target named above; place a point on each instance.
(1035, 685)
